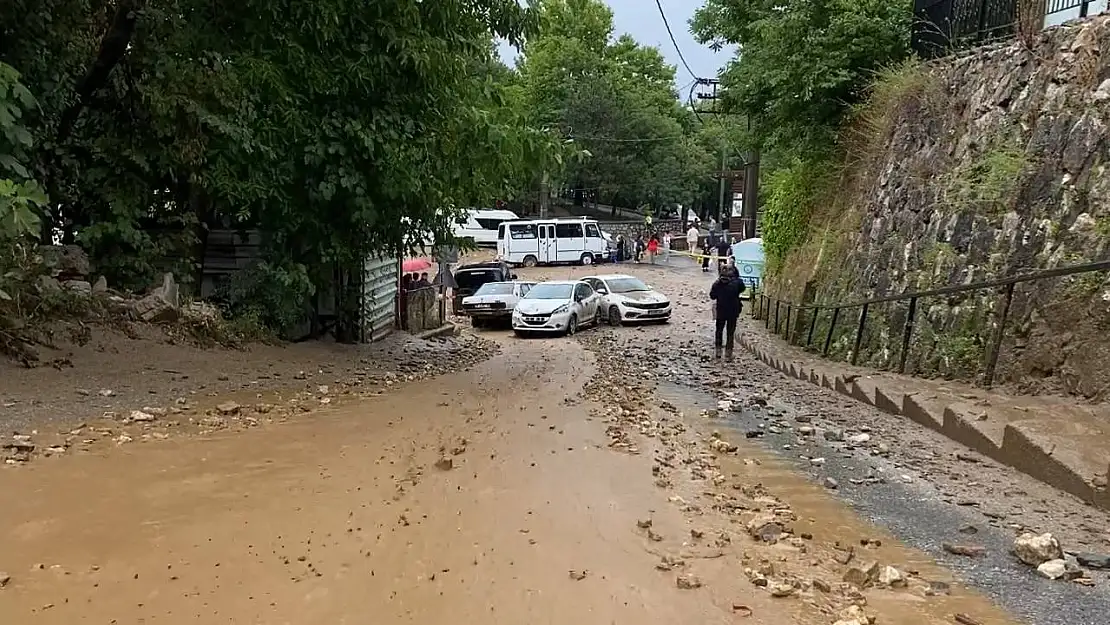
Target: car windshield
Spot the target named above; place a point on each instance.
(495, 288)
(550, 291)
(626, 285)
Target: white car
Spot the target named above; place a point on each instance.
(626, 298)
(494, 301)
(559, 307)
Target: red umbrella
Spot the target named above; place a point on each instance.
(415, 264)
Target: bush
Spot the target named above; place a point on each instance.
(277, 297)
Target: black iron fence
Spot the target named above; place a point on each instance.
(1060, 6)
(795, 321)
(941, 26)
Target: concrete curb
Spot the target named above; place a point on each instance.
(1009, 437)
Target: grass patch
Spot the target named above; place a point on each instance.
(988, 183)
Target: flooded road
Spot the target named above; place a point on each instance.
(488, 496)
(559, 481)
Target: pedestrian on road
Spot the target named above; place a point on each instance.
(652, 248)
(724, 251)
(692, 236)
(725, 294)
(666, 247)
(622, 248)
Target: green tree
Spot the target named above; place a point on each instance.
(616, 99)
(801, 64)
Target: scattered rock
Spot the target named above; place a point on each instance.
(891, 577)
(100, 286)
(859, 439)
(1093, 560)
(834, 436)
(578, 575)
(968, 551)
(781, 589)
(228, 408)
(688, 581)
(140, 416)
(654, 537)
(162, 305)
(4, 579)
(1053, 569)
(830, 483)
(1035, 550)
(445, 463)
(78, 287)
(643, 524)
(862, 575)
(765, 528)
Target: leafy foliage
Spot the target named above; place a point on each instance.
(801, 64)
(334, 127)
(802, 71)
(615, 98)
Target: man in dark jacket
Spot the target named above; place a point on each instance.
(725, 293)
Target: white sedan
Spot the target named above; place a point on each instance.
(557, 307)
(494, 302)
(626, 298)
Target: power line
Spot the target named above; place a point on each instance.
(663, 15)
(636, 140)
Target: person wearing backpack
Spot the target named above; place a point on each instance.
(725, 294)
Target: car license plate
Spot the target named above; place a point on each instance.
(483, 306)
(656, 313)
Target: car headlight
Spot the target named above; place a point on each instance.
(560, 310)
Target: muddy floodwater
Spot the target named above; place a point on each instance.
(564, 480)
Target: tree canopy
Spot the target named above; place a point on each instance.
(801, 65)
(617, 99)
(322, 123)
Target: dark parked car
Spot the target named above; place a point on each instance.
(470, 278)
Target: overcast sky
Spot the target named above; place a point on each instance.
(640, 18)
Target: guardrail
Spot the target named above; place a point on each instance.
(769, 308)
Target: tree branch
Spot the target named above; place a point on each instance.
(113, 47)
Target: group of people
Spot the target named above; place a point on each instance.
(656, 245)
(414, 281)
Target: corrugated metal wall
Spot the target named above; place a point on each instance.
(379, 297)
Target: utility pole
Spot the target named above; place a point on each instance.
(545, 196)
(721, 185)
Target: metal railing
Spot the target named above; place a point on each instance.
(941, 26)
(1059, 6)
(772, 310)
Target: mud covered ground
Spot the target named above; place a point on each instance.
(553, 480)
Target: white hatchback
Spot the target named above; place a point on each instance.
(626, 298)
(557, 307)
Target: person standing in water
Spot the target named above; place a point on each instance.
(725, 294)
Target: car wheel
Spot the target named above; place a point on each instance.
(614, 316)
(476, 322)
(572, 325)
(587, 259)
(530, 261)
(599, 316)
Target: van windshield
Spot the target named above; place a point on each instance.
(550, 291)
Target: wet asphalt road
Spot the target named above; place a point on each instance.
(915, 512)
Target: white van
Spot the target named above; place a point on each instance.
(481, 225)
(532, 242)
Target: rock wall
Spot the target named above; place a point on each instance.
(988, 165)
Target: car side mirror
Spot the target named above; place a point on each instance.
(601, 291)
